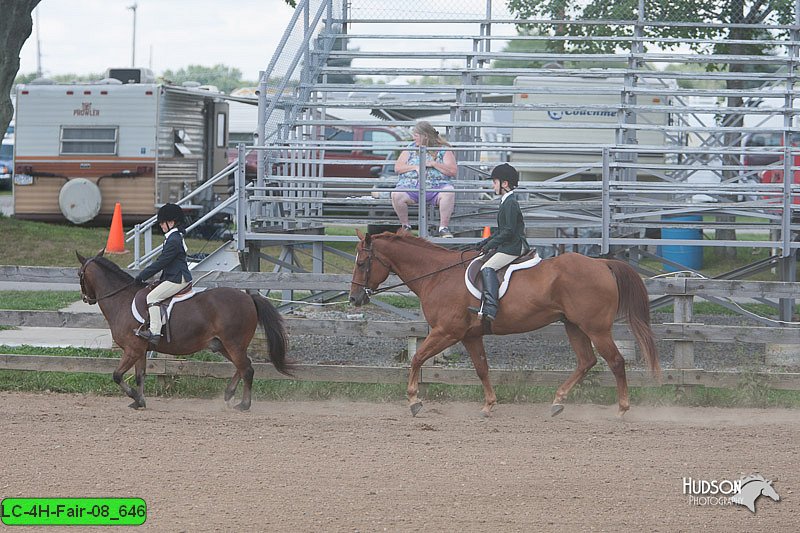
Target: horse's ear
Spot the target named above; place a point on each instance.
(359, 234)
(80, 257)
(101, 252)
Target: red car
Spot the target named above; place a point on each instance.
(378, 144)
(775, 175)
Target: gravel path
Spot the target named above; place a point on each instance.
(510, 351)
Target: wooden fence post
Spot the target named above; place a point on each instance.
(683, 313)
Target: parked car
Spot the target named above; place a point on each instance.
(6, 164)
(381, 143)
(761, 140)
(775, 175)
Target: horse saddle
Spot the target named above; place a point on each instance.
(472, 277)
(139, 304)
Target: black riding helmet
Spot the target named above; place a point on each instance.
(506, 172)
(171, 212)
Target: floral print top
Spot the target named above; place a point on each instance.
(434, 178)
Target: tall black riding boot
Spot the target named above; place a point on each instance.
(490, 289)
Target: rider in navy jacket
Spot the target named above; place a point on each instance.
(171, 263)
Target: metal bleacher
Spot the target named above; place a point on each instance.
(458, 64)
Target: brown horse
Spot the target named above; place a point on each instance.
(586, 294)
(223, 320)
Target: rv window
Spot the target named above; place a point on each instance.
(88, 140)
(221, 117)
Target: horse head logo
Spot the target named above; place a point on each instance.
(754, 486)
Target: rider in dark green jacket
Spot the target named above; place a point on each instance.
(508, 241)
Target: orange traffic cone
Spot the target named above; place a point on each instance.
(116, 237)
(487, 232)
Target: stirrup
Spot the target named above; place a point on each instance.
(146, 334)
(477, 310)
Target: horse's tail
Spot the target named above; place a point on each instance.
(635, 306)
(277, 340)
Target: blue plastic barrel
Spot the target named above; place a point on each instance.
(688, 256)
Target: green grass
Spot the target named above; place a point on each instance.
(37, 300)
(95, 352)
(752, 393)
(56, 244)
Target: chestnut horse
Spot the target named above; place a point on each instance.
(222, 319)
(586, 294)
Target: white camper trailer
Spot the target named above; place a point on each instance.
(80, 148)
(582, 112)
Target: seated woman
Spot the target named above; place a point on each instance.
(440, 168)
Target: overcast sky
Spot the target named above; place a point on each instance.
(89, 36)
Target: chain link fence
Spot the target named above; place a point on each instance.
(723, 12)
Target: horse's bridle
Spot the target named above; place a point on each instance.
(85, 297)
(370, 256)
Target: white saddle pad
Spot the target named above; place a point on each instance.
(175, 299)
(473, 290)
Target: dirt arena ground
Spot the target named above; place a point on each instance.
(340, 466)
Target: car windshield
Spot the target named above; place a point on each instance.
(7, 152)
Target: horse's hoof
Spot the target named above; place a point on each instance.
(137, 404)
(415, 408)
(241, 407)
(485, 413)
(556, 409)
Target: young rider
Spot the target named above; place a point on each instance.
(509, 240)
(171, 263)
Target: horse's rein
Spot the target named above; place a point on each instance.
(92, 301)
(370, 292)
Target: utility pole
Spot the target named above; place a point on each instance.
(38, 47)
(133, 46)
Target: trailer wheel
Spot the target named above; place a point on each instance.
(79, 200)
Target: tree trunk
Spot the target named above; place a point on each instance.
(734, 120)
(15, 28)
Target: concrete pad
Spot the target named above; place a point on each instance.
(57, 337)
(81, 307)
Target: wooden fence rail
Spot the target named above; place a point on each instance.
(393, 375)
(32, 276)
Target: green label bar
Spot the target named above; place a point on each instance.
(73, 511)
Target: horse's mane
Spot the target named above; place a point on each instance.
(113, 269)
(411, 239)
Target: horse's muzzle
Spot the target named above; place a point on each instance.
(359, 298)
